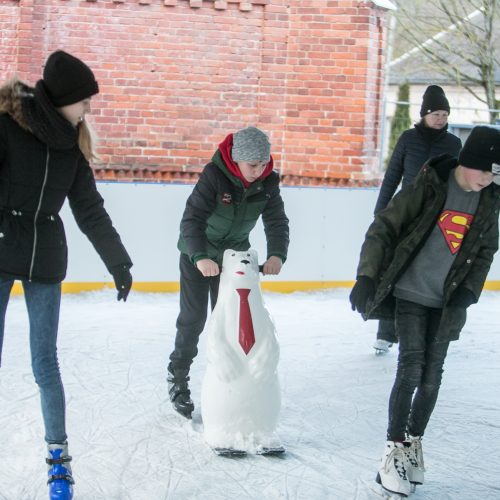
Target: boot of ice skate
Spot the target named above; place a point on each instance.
(60, 479)
(392, 474)
(178, 391)
(382, 346)
(415, 459)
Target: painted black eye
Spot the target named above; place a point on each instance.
(233, 254)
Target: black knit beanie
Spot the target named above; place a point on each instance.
(434, 99)
(481, 150)
(67, 80)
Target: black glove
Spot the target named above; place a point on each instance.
(362, 291)
(123, 280)
(462, 297)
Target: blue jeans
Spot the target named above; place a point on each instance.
(42, 302)
(420, 369)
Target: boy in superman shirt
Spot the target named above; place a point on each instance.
(234, 190)
(424, 261)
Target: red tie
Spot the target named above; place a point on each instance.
(246, 335)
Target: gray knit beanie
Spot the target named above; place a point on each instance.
(251, 144)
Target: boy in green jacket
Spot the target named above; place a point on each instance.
(424, 261)
(234, 190)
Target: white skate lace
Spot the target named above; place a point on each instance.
(398, 457)
(417, 453)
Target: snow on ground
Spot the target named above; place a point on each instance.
(128, 444)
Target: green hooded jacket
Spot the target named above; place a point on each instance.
(220, 213)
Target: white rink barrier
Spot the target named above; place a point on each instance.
(327, 228)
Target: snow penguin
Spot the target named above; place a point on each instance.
(241, 397)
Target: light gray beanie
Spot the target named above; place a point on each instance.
(251, 144)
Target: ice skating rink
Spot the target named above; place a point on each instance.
(128, 444)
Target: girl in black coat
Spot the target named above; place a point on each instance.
(415, 146)
(45, 148)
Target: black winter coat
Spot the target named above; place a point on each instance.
(35, 180)
(399, 232)
(220, 213)
(414, 147)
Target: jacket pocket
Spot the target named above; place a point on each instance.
(9, 229)
(50, 232)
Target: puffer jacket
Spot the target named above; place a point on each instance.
(414, 147)
(35, 179)
(220, 213)
(399, 232)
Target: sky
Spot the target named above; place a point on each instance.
(127, 442)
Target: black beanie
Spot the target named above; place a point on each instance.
(67, 79)
(481, 150)
(434, 99)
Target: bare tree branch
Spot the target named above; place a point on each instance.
(459, 38)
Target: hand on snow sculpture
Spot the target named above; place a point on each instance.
(240, 398)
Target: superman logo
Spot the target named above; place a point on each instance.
(454, 226)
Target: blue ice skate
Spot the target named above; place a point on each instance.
(60, 479)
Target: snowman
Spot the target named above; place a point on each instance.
(240, 396)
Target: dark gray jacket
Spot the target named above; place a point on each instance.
(399, 231)
(220, 214)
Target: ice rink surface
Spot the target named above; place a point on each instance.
(128, 444)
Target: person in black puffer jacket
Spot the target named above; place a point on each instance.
(237, 187)
(45, 148)
(415, 146)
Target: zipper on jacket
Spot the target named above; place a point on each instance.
(35, 232)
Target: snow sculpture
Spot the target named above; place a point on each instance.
(240, 397)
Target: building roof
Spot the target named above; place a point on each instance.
(415, 67)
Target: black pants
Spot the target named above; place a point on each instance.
(195, 289)
(387, 331)
(420, 369)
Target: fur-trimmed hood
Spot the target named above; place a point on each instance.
(32, 110)
(11, 96)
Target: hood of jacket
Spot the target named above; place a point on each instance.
(33, 111)
(224, 160)
(442, 165)
(11, 96)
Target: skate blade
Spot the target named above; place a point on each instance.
(380, 352)
(274, 451)
(229, 452)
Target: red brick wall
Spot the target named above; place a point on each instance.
(177, 75)
(9, 21)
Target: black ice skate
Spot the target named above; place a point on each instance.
(178, 391)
